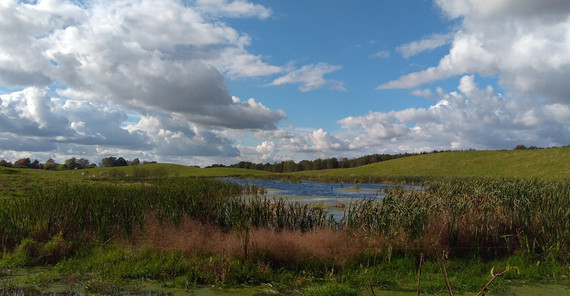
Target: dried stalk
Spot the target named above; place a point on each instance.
(494, 276)
(441, 261)
(371, 292)
(420, 271)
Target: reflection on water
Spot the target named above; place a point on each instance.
(316, 191)
(335, 197)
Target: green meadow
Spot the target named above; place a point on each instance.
(550, 163)
(174, 229)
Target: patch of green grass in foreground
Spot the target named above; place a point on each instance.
(116, 268)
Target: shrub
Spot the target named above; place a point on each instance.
(55, 250)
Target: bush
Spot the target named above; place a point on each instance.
(27, 254)
(55, 250)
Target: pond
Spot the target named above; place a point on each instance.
(335, 197)
(309, 189)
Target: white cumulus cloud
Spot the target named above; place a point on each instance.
(311, 77)
(471, 117)
(432, 42)
(526, 43)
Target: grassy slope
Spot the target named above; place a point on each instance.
(14, 182)
(543, 163)
(173, 170)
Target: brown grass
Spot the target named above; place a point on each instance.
(280, 248)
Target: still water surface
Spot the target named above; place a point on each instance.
(336, 198)
(313, 191)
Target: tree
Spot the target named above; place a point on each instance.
(318, 164)
(121, 162)
(332, 163)
(35, 164)
(108, 162)
(50, 165)
(70, 164)
(82, 163)
(23, 163)
(306, 165)
(344, 163)
(289, 166)
(136, 161)
(6, 163)
(74, 164)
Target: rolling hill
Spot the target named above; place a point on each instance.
(542, 163)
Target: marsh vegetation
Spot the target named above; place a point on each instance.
(104, 234)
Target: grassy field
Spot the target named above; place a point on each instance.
(542, 163)
(102, 230)
(552, 163)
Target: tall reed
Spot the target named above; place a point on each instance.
(488, 216)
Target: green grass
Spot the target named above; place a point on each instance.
(172, 170)
(115, 267)
(550, 163)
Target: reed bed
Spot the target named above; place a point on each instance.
(485, 216)
(87, 212)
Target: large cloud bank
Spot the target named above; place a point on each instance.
(163, 59)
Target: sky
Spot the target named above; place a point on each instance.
(199, 82)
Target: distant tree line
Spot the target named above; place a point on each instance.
(332, 163)
(523, 147)
(317, 164)
(112, 161)
(277, 167)
(70, 164)
(50, 164)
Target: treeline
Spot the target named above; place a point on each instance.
(317, 164)
(333, 163)
(70, 164)
(112, 161)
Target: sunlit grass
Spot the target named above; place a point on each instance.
(551, 163)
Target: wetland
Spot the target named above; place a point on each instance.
(200, 236)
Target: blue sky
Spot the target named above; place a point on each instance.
(346, 35)
(221, 81)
